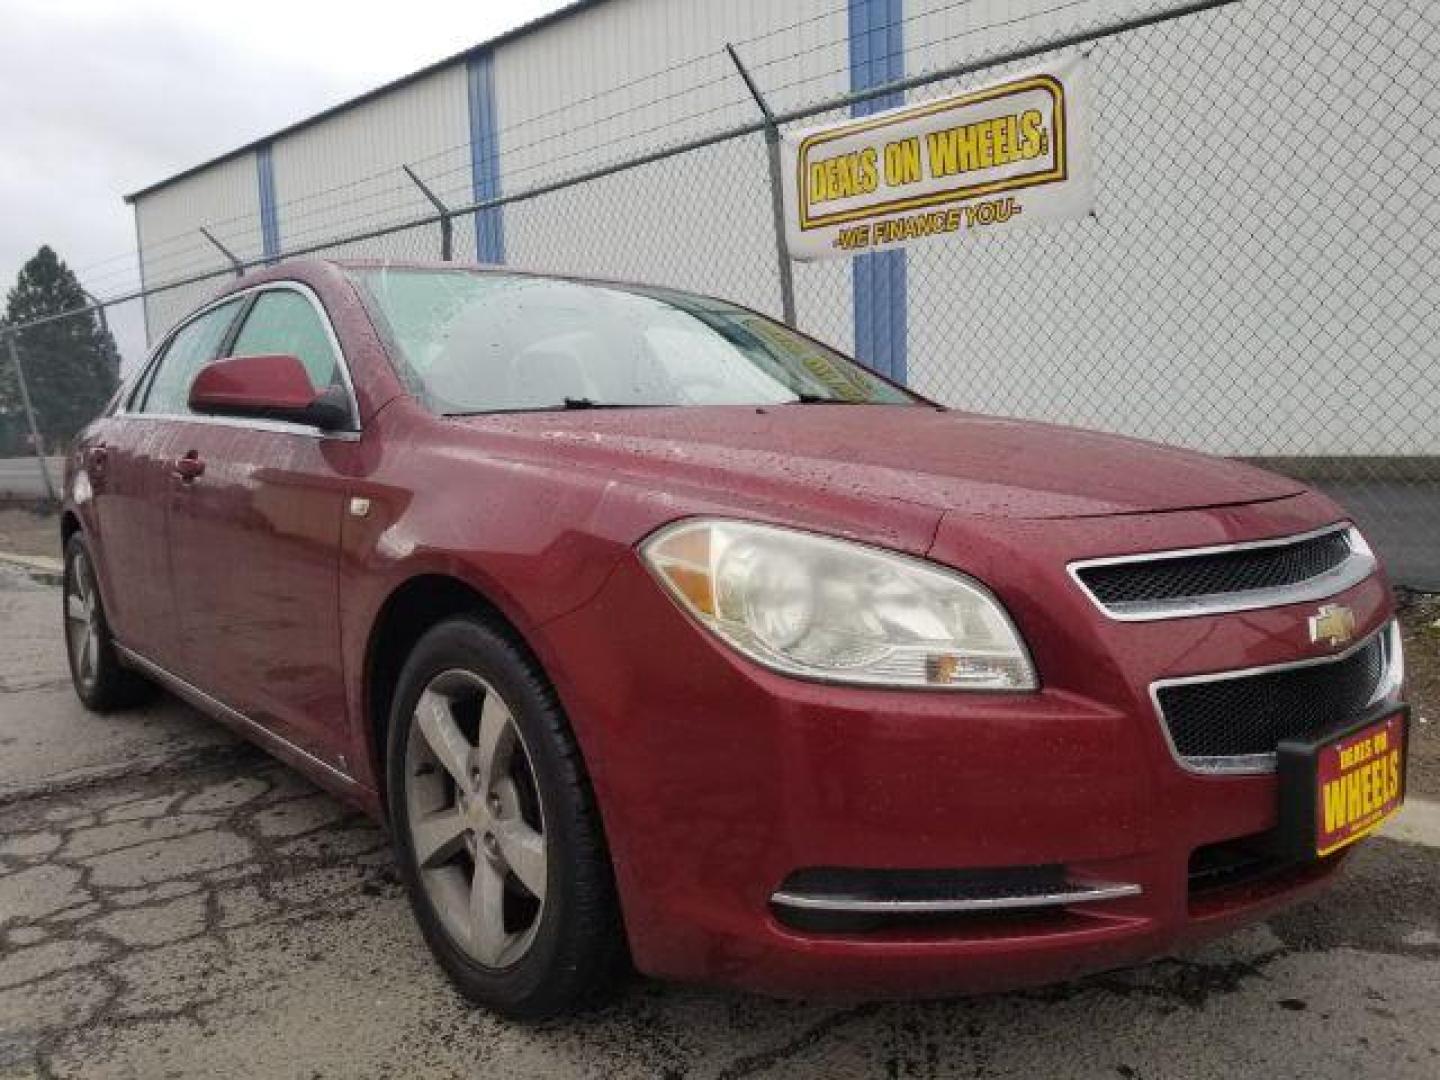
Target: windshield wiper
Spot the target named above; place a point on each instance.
(820, 399)
(591, 403)
(565, 405)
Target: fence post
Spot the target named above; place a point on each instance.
(777, 192)
(112, 354)
(447, 232)
(35, 442)
(235, 264)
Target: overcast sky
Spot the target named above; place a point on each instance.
(101, 97)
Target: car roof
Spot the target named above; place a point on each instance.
(307, 269)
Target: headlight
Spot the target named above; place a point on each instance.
(829, 609)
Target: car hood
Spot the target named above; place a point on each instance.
(941, 460)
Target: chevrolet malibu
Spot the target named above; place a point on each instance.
(657, 631)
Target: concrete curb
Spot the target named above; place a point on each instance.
(1417, 823)
(41, 567)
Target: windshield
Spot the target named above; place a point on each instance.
(480, 342)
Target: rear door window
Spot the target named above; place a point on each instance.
(196, 345)
(285, 322)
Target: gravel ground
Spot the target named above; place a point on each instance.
(231, 921)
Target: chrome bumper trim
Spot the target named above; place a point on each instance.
(1080, 894)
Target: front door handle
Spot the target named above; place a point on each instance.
(190, 466)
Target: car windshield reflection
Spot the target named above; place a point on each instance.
(471, 342)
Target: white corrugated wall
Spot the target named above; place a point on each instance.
(344, 173)
(700, 221)
(224, 199)
(1242, 308)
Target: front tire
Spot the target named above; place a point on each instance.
(101, 681)
(495, 826)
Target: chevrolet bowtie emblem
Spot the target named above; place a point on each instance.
(1333, 624)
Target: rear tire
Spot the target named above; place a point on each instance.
(495, 827)
(101, 681)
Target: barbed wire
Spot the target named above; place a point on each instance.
(197, 252)
(213, 266)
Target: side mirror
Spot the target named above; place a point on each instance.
(267, 388)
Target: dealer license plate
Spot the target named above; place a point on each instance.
(1342, 786)
(1359, 783)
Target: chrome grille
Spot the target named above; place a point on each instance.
(1234, 721)
(1208, 575)
(1236, 577)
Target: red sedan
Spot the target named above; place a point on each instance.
(654, 628)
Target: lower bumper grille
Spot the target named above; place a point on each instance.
(1233, 721)
(1232, 862)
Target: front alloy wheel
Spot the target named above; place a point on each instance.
(476, 823)
(495, 825)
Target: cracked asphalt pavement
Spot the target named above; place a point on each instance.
(174, 903)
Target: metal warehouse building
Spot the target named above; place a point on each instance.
(1258, 278)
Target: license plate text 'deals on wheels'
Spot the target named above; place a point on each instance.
(1359, 784)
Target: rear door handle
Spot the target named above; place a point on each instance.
(190, 466)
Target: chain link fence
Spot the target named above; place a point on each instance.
(1258, 279)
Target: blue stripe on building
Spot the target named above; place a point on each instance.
(269, 218)
(877, 56)
(485, 158)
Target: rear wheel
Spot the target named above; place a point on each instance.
(498, 838)
(101, 681)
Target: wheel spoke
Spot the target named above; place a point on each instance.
(86, 658)
(487, 912)
(76, 609)
(524, 851)
(495, 743)
(437, 837)
(480, 844)
(446, 741)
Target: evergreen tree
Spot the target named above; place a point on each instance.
(71, 364)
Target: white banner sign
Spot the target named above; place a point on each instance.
(1014, 152)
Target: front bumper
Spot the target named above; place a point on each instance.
(718, 780)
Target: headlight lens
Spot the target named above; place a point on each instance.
(830, 609)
